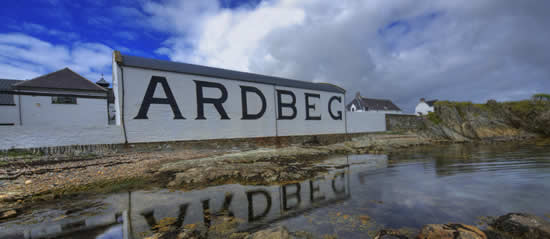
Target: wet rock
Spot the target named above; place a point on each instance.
(390, 234)
(28, 182)
(8, 214)
(450, 231)
(522, 226)
(273, 233)
(191, 234)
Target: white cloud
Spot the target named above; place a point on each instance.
(397, 49)
(26, 57)
(34, 28)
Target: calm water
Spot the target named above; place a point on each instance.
(436, 184)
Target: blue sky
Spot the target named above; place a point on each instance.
(108, 22)
(119, 24)
(398, 49)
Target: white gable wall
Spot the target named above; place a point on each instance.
(39, 111)
(422, 108)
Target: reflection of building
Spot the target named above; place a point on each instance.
(62, 98)
(140, 211)
(256, 206)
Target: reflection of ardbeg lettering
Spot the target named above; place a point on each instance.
(149, 216)
(341, 190)
(288, 196)
(250, 197)
(313, 190)
(286, 99)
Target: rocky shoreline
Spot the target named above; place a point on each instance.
(49, 178)
(509, 226)
(189, 170)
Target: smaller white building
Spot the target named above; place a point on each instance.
(424, 107)
(362, 104)
(60, 99)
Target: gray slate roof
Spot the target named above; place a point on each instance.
(153, 64)
(65, 79)
(7, 85)
(373, 104)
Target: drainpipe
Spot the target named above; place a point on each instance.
(19, 106)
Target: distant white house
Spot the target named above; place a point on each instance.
(58, 99)
(424, 107)
(362, 104)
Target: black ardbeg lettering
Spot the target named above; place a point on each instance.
(149, 99)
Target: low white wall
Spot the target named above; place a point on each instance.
(39, 111)
(34, 137)
(364, 122)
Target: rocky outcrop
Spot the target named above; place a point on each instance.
(450, 231)
(274, 165)
(8, 214)
(464, 121)
(520, 225)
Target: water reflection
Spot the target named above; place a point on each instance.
(406, 189)
(136, 214)
(254, 206)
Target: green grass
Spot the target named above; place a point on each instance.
(434, 118)
(19, 153)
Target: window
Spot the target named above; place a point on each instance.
(6, 99)
(63, 100)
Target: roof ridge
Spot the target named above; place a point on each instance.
(86, 79)
(45, 77)
(375, 99)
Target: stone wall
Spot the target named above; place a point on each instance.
(402, 122)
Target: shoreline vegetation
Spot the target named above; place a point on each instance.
(26, 179)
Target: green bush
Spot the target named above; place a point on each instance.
(541, 97)
(434, 118)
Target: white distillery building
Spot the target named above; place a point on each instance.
(424, 107)
(362, 104)
(58, 99)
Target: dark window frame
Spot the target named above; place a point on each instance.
(64, 100)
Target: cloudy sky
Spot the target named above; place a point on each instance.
(396, 49)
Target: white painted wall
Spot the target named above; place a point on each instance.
(39, 111)
(9, 114)
(366, 121)
(301, 126)
(161, 125)
(37, 136)
(422, 109)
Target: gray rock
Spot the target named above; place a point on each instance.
(390, 234)
(522, 225)
(450, 231)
